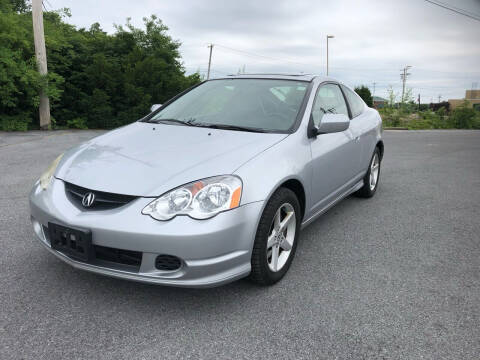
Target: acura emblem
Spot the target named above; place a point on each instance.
(88, 199)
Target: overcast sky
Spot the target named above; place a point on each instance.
(373, 39)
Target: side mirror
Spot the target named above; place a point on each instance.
(331, 123)
(154, 107)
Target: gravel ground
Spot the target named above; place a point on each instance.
(393, 277)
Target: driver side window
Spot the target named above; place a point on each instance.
(329, 99)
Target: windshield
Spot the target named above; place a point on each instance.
(264, 104)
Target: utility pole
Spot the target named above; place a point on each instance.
(418, 102)
(374, 83)
(439, 98)
(41, 55)
(404, 76)
(328, 37)
(209, 60)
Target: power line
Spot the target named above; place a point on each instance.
(355, 69)
(248, 53)
(404, 75)
(454, 9)
(457, 8)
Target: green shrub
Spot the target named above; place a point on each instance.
(77, 123)
(476, 121)
(465, 117)
(95, 79)
(393, 117)
(18, 122)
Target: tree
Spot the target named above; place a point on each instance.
(365, 94)
(408, 96)
(392, 96)
(19, 79)
(95, 79)
(117, 77)
(19, 6)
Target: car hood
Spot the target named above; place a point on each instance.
(145, 159)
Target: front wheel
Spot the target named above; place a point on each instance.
(370, 181)
(276, 238)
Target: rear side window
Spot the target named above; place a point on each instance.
(356, 103)
(329, 99)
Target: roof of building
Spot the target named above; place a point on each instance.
(378, 98)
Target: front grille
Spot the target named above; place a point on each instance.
(167, 262)
(119, 256)
(102, 200)
(45, 233)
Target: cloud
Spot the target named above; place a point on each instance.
(373, 39)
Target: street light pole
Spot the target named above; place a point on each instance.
(328, 37)
(209, 61)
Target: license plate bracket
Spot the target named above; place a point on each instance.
(74, 243)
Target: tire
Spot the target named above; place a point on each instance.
(367, 191)
(278, 208)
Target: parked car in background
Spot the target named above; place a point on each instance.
(212, 186)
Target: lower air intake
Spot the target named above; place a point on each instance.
(167, 262)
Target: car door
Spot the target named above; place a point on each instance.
(359, 125)
(333, 155)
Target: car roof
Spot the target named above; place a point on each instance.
(282, 76)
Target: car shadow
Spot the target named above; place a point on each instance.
(144, 297)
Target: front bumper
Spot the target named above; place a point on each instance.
(213, 251)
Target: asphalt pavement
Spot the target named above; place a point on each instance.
(392, 277)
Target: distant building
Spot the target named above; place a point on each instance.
(472, 96)
(379, 102)
(438, 105)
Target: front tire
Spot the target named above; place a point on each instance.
(370, 181)
(276, 238)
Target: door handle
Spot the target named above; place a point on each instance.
(357, 138)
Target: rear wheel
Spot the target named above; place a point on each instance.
(276, 238)
(370, 181)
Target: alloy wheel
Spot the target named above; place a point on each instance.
(281, 237)
(374, 171)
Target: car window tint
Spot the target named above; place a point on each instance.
(356, 103)
(268, 104)
(329, 99)
(216, 100)
(280, 92)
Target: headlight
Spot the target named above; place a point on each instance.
(47, 175)
(201, 199)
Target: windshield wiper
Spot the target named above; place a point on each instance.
(192, 122)
(232, 127)
(176, 121)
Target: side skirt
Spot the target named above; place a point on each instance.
(351, 190)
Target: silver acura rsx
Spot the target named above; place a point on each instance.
(212, 186)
